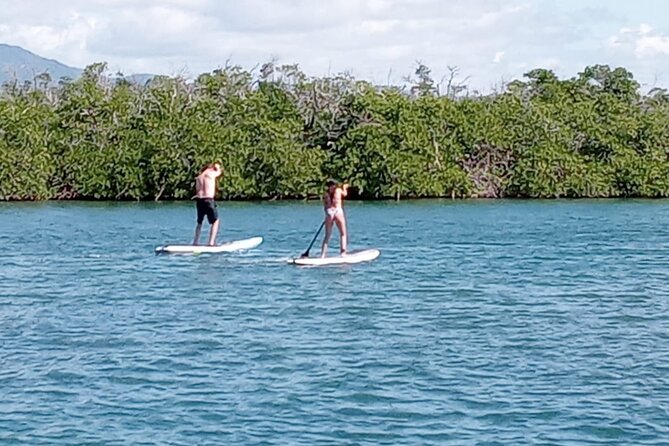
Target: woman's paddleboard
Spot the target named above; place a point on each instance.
(350, 258)
(238, 245)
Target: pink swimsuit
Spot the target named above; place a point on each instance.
(332, 212)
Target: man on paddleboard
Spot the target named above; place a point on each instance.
(334, 214)
(205, 190)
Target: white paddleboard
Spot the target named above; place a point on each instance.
(237, 245)
(350, 258)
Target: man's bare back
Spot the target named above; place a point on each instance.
(205, 183)
(205, 191)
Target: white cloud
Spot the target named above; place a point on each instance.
(50, 40)
(645, 29)
(378, 26)
(644, 42)
(368, 37)
(492, 17)
(551, 63)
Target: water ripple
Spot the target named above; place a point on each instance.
(487, 323)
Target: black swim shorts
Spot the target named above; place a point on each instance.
(206, 206)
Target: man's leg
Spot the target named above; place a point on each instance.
(212, 217)
(198, 230)
(213, 231)
(200, 218)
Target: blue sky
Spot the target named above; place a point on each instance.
(489, 41)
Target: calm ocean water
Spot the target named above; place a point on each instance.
(482, 323)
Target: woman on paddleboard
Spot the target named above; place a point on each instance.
(205, 190)
(334, 215)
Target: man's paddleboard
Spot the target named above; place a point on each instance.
(238, 245)
(350, 258)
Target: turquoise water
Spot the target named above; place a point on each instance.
(482, 323)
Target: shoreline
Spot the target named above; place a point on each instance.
(355, 200)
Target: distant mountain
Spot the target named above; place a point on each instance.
(17, 63)
(22, 65)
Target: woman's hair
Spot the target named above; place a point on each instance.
(208, 166)
(330, 182)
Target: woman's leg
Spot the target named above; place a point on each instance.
(343, 235)
(326, 238)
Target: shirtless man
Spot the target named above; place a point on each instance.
(205, 187)
(334, 214)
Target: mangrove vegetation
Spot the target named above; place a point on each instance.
(279, 134)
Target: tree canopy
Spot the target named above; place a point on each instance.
(280, 133)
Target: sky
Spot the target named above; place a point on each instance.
(487, 42)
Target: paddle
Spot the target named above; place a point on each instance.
(306, 253)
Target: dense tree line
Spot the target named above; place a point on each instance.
(279, 134)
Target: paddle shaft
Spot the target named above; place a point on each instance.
(306, 253)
